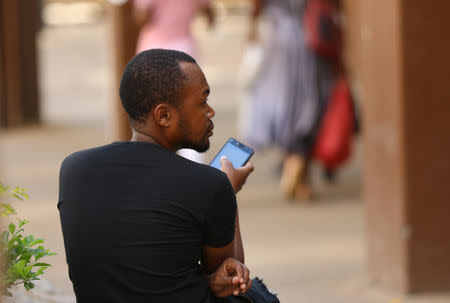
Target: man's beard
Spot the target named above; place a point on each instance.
(197, 146)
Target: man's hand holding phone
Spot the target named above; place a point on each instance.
(237, 176)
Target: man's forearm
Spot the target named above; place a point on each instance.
(213, 257)
(238, 247)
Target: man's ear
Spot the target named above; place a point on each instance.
(163, 114)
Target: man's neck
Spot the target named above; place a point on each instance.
(139, 136)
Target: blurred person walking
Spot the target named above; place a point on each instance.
(166, 24)
(289, 93)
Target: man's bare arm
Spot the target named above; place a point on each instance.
(214, 257)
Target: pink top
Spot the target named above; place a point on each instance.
(170, 24)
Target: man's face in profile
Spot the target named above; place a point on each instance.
(194, 124)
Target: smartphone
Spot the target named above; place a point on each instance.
(238, 153)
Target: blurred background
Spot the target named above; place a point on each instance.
(371, 228)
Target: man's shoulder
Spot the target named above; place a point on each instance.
(205, 171)
(80, 154)
(213, 180)
(85, 155)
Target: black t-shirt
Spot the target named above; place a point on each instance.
(135, 217)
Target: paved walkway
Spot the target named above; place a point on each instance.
(309, 254)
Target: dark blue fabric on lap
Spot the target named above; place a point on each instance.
(258, 293)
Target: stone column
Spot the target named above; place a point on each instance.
(11, 94)
(426, 87)
(404, 52)
(125, 36)
(30, 15)
(19, 97)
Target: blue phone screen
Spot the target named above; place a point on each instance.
(236, 155)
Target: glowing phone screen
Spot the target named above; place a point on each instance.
(237, 155)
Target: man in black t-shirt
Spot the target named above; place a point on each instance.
(142, 224)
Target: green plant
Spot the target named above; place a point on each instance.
(20, 255)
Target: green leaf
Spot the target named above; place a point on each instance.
(26, 256)
(39, 256)
(7, 210)
(28, 240)
(12, 274)
(41, 264)
(37, 253)
(18, 193)
(22, 222)
(37, 241)
(5, 236)
(16, 239)
(28, 285)
(32, 275)
(40, 271)
(19, 266)
(17, 251)
(26, 271)
(4, 189)
(12, 228)
(16, 189)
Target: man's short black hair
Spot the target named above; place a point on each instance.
(153, 76)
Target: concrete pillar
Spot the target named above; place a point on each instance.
(19, 97)
(404, 57)
(426, 85)
(125, 35)
(30, 23)
(11, 95)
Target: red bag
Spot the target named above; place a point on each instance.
(322, 31)
(333, 142)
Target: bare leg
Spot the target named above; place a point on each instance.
(294, 183)
(303, 191)
(293, 167)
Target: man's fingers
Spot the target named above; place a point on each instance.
(239, 270)
(246, 169)
(226, 281)
(244, 278)
(246, 274)
(248, 286)
(246, 283)
(235, 268)
(237, 176)
(235, 280)
(249, 166)
(225, 162)
(242, 272)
